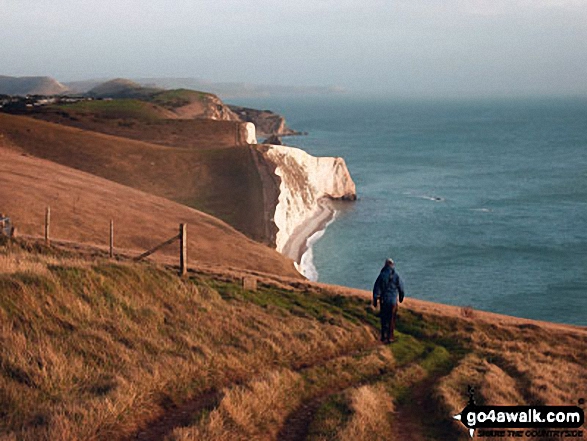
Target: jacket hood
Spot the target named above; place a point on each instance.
(387, 271)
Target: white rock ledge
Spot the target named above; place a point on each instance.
(307, 182)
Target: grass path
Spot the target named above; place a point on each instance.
(411, 381)
(417, 417)
(186, 413)
(298, 423)
(178, 416)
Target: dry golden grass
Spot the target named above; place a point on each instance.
(259, 409)
(194, 134)
(90, 353)
(98, 350)
(372, 407)
(221, 181)
(519, 364)
(255, 411)
(141, 221)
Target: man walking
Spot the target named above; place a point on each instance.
(386, 289)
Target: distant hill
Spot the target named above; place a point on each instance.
(224, 90)
(121, 88)
(183, 98)
(31, 86)
(230, 90)
(178, 103)
(83, 86)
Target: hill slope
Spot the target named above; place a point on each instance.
(82, 206)
(96, 350)
(190, 104)
(219, 180)
(30, 86)
(121, 88)
(180, 103)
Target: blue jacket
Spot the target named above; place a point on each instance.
(387, 286)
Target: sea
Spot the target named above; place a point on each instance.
(482, 203)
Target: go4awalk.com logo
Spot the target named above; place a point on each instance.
(559, 420)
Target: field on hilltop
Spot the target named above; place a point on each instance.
(217, 177)
(101, 350)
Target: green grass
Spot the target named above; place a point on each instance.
(172, 99)
(330, 417)
(407, 349)
(437, 360)
(323, 307)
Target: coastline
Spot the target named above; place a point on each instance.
(297, 244)
(298, 190)
(306, 266)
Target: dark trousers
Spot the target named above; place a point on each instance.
(387, 313)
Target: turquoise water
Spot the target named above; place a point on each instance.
(480, 203)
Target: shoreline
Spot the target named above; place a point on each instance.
(306, 266)
(297, 244)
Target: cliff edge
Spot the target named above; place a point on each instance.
(297, 194)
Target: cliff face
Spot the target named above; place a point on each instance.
(249, 133)
(304, 183)
(200, 105)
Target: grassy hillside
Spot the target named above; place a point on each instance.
(116, 109)
(219, 180)
(143, 122)
(180, 103)
(100, 350)
(82, 206)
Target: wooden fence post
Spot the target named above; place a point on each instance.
(183, 249)
(111, 238)
(47, 225)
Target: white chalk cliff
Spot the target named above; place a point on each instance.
(305, 184)
(250, 133)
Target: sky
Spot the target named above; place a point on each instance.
(404, 48)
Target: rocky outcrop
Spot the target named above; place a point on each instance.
(304, 184)
(266, 122)
(191, 104)
(273, 139)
